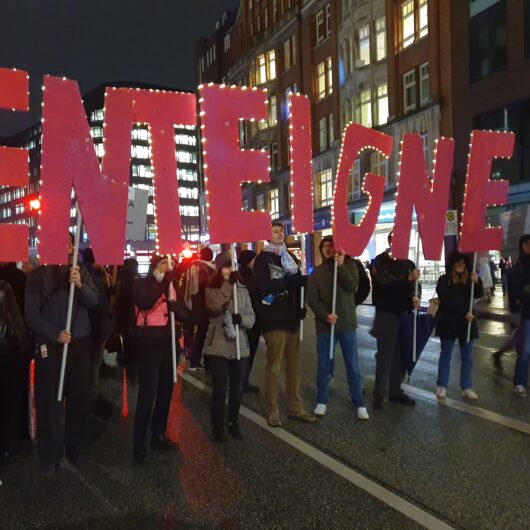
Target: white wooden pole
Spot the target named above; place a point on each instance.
(302, 290)
(468, 338)
(172, 320)
(70, 301)
(234, 266)
(333, 309)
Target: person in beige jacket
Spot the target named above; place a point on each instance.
(220, 345)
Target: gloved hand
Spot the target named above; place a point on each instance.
(236, 319)
(234, 277)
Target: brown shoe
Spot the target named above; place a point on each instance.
(303, 416)
(274, 421)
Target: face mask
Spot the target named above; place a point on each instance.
(159, 276)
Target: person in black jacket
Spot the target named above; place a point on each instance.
(152, 301)
(277, 283)
(519, 298)
(452, 320)
(47, 293)
(392, 294)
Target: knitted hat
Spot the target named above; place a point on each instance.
(222, 260)
(246, 257)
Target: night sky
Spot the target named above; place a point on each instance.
(96, 41)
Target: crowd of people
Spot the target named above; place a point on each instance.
(220, 313)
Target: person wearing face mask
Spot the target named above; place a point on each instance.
(47, 293)
(153, 299)
(220, 345)
(452, 319)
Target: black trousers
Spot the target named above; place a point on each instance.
(198, 343)
(226, 374)
(155, 388)
(62, 424)
(253, 336)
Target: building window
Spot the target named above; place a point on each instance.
(331, 134)
(329, 76)
(423, 17)
(407, 23)
(274, 201)
(380, 38)
(364, 113)
(289, 52)
(260, 202)
(274, 10)
(261, 70)
(320, 27)
(409, 91)
(227, 42)
(425, 145)
(245, 205)
(487, 39)
(274, 156)
(347, 58)
(271, 65)
(323, 137)
(324, 79)
(325, 188)
(364, 44)
(424, 84)
(328, 20)
(382, 104)
(273, 111)
(379, 164)
(354, 184)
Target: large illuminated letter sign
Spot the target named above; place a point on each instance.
(226, 166)
(163, 111)
(354, 238)
(68, 158)
(14, 166)
(481, 191)
(429, 198)
(300, 163)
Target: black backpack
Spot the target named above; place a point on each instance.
(364, 284)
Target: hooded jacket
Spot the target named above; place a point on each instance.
(519, 282)
(454, 302)
(320, 293)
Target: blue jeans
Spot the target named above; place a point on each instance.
(348, 345)
(466, 363)
(523, 355)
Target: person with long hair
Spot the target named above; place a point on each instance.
(452, 320)
(227, 371)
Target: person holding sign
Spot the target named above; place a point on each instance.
(47, 293)
(454, 291)
(320, 287)
(277, 283)
(220, 345)
(392, 294)
(153, 301)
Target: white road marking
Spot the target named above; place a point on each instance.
(386, 496)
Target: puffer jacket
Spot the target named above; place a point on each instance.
(218, 302)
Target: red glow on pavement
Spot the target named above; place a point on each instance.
(124, 401)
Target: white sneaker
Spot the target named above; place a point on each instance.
(320, 409)
(469, 393)
(441, 392)
(362, 413)
(520, 391)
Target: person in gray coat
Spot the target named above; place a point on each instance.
(220, 345)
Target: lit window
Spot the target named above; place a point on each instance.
(323, 136)
(329, 76)
(424, 18)
(382, 104)
(273, 111)
(364, 116)
(320, 28)
(274, 156)
(325, 187)
(321, 80)
(227, 42)
(424, 84)
(95, 132)
(245, 205)
(274, 201)
(354, 183)
(409, 91)
(407, 23)
(271, 64)
(331, 134)
(379, 164)
(364, 44)
(262, 70)
(260, 202)
(380, 38)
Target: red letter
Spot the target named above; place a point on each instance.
(301, 169)
(14, 168)
(351, 238)
(162, 111)
(226, 165)
(68, 157)
(429, 198)
(481, 191)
